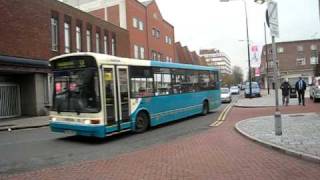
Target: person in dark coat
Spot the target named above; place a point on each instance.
(285, 87)
(301, 87)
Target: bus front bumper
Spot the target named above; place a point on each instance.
(78, 129)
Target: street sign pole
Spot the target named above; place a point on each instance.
(274, 29)
(277, 115)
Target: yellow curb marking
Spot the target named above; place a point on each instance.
(222, 116)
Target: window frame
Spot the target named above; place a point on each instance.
(54, 34)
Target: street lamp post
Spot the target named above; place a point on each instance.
(248, 44)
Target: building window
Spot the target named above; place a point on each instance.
(135, 22)
(136, 51)
(314, 60)
(313, 47)
(67, 42)
(97, 42)
(141, 52)
(105, 44)
(113, 46)
(141, 25)
(301, 61)
(168, 40)
(88, 34)
(300, 48)
(157, 34)
(78, 38)
(153, 32)
(280, 50)
(54, 34)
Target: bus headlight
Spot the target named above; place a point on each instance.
(53, 119)
(87, 121)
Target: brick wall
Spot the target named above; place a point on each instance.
(26, 29)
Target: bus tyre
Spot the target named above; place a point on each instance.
(142, 122)
(205, 108)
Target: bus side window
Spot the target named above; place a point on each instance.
(214, 80)
(141, 82)
(162, 81)
(204, 80)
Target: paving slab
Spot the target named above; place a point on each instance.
(300, 133)
(266, 100)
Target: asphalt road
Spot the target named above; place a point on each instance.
(31, 149)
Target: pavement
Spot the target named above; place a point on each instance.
(219, 153)
(266, 100)
(23, 123)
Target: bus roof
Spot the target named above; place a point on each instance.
(104, 59)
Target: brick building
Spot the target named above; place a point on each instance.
(296, 59)
(184, 55)
(34, 31)
(151, 36)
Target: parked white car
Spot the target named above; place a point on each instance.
(234, 90)
(225, 95)
(315, 89)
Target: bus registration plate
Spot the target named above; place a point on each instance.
(70, 132)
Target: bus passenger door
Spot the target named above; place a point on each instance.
(111, 116)
(123, 96)
(116, 84)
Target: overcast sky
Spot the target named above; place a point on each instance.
(214, 24)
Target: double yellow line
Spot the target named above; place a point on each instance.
(222, 116)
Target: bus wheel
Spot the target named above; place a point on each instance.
(142, 122)
(205, 108)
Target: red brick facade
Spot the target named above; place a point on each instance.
(146, 14)
(295, 60)
(26, 29)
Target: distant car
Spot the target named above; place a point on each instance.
(234, 90)
(315, 89)
(225, 95)
(255, 90)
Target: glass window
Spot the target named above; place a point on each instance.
(88, 35)
(135, 22)
(141, 81)
(113, 46)
(313, 47)
(141, 52)
(162, 81)
(141, 25)
(204, 80)
(78, 38)
(67, 40)
(214, 80)
(97, 42)
(153, 32)
(158, 34)
(280, 49)
(299, 48)
(301, 61)
(54, 34)
(105, 44)
(136, 51)
(314, 60)
(76, 91)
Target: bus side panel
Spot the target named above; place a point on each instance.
(172, 107)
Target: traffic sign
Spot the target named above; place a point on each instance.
(272, 18)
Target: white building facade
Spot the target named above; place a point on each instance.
(218, 59)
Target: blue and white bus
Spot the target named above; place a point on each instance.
(100, 95)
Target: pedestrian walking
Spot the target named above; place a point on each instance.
(285, 87)
(301, 87)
